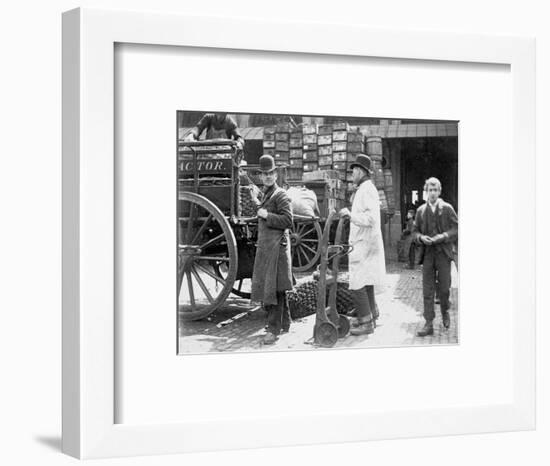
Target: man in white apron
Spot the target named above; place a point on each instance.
(367, 266)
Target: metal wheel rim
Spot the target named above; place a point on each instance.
(196, 266)
(326, 334)
(305, 242)
(343, 326)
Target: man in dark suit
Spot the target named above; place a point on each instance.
(435, 231)
(272, 275)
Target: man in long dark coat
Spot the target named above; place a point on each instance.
(272, 275)
(435, 231)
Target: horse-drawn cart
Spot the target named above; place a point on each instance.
(217, 233)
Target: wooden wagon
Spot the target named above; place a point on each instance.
(216, 235)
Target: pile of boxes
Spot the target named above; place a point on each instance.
(309, 148)
(312, 151)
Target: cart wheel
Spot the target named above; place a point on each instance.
(205, 242)
(326, 334)
(242, 287)
(343, 326)
(304, 240)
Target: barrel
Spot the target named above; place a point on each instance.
(378, 174)
(374, 148)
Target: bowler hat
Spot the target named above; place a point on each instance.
(267, 164)
(363, 161)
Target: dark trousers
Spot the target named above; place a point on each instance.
(436, 268)
(412, 255)
(365, 304)
(278, 315)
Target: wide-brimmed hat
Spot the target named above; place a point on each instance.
(363, 161)
(267, 163)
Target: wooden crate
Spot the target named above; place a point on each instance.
(325, 129)
(310, 166)
(296, 163)
(310, 156)
(325, 150)
(269, 130)
(324, 139)
(339, 166)
(269, 137)
(269, 152)
(282, 146)
(309, 129)
(281, 156)
(339, 156)
(325, 161)
(351, 157)
(296, 141)
(310, 147)
(269, 144)
(340, 146)
(310, 139)
(282, 137)
(340, 136)
(296, 153)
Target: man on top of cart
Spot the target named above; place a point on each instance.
(217, 125)
(272, 275)
(367, 266)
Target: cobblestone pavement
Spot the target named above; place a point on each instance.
(239, 326)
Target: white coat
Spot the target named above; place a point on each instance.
(367, 264)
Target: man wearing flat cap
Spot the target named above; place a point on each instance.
(367, 266)
(272, 275)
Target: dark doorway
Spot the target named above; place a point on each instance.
(422, 158)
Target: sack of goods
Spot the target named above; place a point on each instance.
(304, 202)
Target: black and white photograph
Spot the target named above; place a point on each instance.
(301, 232)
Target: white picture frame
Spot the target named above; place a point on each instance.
(89, 38)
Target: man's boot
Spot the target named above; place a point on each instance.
(428, 329)
(446, 318)
(362, 326)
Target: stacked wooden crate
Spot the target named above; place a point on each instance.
(324, 146)
(282, 144)
(296, 162)
(269, 140)
(310, 153)
(346, 144)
